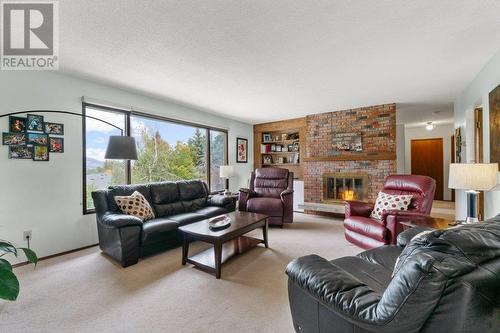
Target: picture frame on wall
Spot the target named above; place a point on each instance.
(56, 145)
(21, 152)
(54, 128)
(241, 150)
(17, 124)
(38, 139)
(40, 153)
(34, 123)
(14, 139)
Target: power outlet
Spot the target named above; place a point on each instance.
(27, 235)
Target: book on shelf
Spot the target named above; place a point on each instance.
(265, 148)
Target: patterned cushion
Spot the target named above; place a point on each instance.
(389, 202)
(136, 205)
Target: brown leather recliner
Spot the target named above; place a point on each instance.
(270, 193)
(367, 233)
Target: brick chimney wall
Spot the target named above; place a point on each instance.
(377, 125)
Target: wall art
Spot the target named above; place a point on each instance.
(34, 123)
(56, 145)
(28, 138)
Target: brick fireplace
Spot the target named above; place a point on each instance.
(362, 172)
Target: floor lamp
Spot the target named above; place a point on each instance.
(473, 177)
(119, 147)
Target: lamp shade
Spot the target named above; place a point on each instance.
(226, 171)
(121, 148)
(473, 176)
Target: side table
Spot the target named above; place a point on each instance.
(432, 223)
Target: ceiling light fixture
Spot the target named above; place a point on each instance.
(429, 126)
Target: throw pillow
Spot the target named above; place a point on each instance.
(136, 205)
(389, 202)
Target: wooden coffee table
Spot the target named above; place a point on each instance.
(226, 243)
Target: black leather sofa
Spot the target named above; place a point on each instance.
(126, 238)
(446, 281)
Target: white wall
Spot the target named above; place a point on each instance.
(46, 197)
(445, 132)
(400, 149)
(476, 94)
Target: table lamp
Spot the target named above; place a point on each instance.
(226, 171)
(473, 177)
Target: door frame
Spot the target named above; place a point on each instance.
(479, 150)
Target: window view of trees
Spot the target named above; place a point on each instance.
(217, 158)
(100, 173)
(166, 151)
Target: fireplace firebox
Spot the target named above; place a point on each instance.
(338, 187)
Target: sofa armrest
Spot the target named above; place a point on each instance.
(358, 208)
(247, 191)
(220, 200)
(245, 194)
(115, 220)
(287, 200)
(392, 219)
(286, 193)
(100, 198)
(334, 287)
(404, 215)
(406, 236)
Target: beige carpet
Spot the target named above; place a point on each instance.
(86, 292)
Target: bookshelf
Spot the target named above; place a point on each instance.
(280, 144)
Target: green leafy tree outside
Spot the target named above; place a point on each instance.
(160, 161)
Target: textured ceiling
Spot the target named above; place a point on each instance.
(261, 60)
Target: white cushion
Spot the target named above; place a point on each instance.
(389, 202)
(136, 205)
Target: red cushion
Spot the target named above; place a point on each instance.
(268, 206)
(366, 226)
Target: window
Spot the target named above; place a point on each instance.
(168, 150)
(218, 157)
(100, 173)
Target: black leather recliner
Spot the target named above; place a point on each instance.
(444, 281)
(126, 238)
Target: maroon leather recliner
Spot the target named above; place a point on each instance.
(270, 193)
(368, 233)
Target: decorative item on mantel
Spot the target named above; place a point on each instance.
(347, 141)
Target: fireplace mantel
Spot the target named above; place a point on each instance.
(358, 157)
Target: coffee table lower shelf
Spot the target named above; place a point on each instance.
(206, 260)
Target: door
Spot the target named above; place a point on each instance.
(427, 160)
